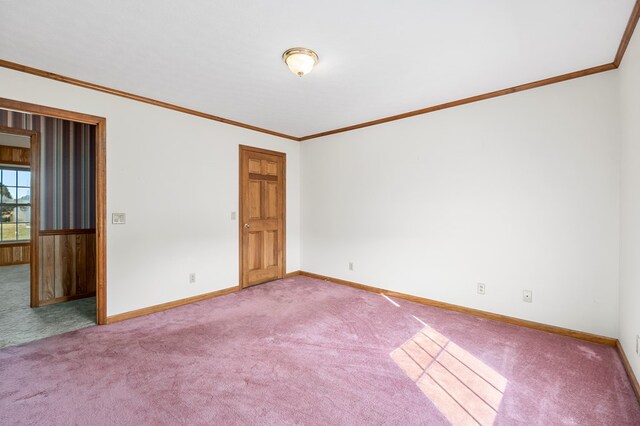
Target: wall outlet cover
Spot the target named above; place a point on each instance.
(527, 296)
(481, 288)
(118, 218)
(192, 278)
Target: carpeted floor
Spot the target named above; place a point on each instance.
(19, 323)
(304, 351)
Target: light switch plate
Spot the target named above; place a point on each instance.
(118, 218)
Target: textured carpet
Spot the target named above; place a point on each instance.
(304, 351)
(19, 323)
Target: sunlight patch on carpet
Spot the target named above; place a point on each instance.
(463, 388)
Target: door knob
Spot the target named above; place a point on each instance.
(246, 225)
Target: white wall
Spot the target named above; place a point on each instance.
(518, 192)
(155, 155)
(630, 202)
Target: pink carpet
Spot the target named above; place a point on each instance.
(304, 351)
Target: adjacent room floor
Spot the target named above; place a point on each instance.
(305, 351)
(19, 323)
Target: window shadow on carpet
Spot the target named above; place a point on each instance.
(462, 387)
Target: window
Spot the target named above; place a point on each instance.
(15, 204)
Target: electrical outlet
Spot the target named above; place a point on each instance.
(527, 296)
(638, 344)
(192, 278)
(351, 266)
(481, 288)
(233, 215)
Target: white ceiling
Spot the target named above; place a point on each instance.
(377, 58)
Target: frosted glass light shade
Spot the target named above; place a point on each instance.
(300, 60)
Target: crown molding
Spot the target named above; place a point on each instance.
(515, 89)
(628, 32)
(121, 93)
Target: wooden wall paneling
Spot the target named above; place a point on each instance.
(21, 254)
(81, 264)
(6, 256)
(59, 256)
(15, 254)
(47, 265)
(15, 155)
(65, 265)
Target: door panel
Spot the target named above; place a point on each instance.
(255, 165)
(255, 250)
(271, 249)
(270, 168)
(271, 200)
(255, 199)
(262, 216)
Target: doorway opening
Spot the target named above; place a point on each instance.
(52, 253)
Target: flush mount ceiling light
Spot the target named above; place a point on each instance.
(300, 60)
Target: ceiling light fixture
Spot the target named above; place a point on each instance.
(300, 60)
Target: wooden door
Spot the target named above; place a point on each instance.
(262, 215)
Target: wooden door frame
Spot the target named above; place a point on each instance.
(242, 171)
(34, 167)
(100, 190)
